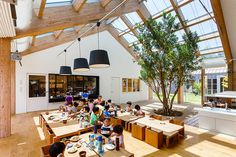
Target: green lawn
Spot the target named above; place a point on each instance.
(188, 98)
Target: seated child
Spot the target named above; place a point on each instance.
(106, 128)
(118, 133)
(74, 108)
(57, 149)
(94, 116)
(128, 108)
(69, 107)
(109, 102)
(139, 110)
(86, 113)
(106, 111)
(91, 105)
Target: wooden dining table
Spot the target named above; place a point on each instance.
(93, 152)
(165, 126)
(60, 130)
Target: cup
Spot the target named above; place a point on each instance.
(82, 154)
(64, 121)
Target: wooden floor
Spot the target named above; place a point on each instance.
(27, 138)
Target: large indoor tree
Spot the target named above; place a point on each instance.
(166, 61)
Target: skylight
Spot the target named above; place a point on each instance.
(195, 9)
(204, 27)
(157, 6)
(119, 25)
(130, 38)
(55, 3)
(133, 18)
(208, 44)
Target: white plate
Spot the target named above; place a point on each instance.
(110, 146)
(72, 150)
(75, 138)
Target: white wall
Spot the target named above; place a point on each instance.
(47, 61)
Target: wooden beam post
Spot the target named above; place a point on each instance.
(216, 6)
(5, 85)
(203, 85)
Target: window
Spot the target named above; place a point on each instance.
(37, 86)
(60, 85)
(124, 85)
(211, 86)
(136, 85)
(130, 85)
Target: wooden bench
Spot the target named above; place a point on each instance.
(154, 137)
(171, 138)
(138, 131)
(45, 150)
(178, 122)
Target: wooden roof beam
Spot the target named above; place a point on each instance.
(216, 6)
(57, 33)
(39, 6)
(78, 4)
(129, 25)
(104, 3)
(50, 41)
(59, 18)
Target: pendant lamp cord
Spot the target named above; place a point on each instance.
(65, 56)
(98, 24)
(79, 39)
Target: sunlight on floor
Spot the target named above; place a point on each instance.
(41, 134)
(202, 148)
(36, 121)
(224, 138)
(197, 131)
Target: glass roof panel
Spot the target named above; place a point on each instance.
(157, 6)
(130, 38)
(133, 18)
(54, 3)
(208, 44)
(195, 9)
(44, 35)
(119, 25)
(204, 27)
(215, 55)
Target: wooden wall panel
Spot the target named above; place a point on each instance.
(5, 88)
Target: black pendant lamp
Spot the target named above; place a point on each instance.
(80, 64)
(99, 58)
(65, 70)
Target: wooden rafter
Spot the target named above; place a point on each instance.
(216, 6)
(57, 33)
(50, 41)
(33, 40)
(143, 12)
(129, 25)
(78, 4)
(104, 3)
(58, 18)
(122, 41)
(180, 15)
(39, 6)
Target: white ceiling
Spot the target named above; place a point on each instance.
(229, 12)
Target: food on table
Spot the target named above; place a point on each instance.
(72, 150)
(110, 146)
(75, 138)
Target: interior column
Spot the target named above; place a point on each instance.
(5, 85)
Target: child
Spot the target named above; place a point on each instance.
(69, 107)
(94, 116)
(109, 102)
(118, 133)
(106, 128)
(91, 105)
(57, 149)
(74, 109)
(106, 111)
(128, 108)
(86, 113)
(139, 111)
